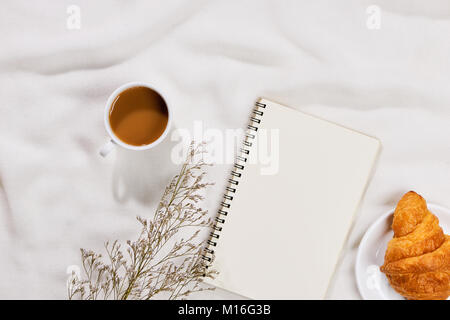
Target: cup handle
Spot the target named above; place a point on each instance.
(107, 148)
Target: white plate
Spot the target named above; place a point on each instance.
(372, 283)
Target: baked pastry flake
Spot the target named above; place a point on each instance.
(417, 259)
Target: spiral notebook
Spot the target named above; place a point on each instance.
(281, 226)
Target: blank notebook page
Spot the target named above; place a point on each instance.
(284, 232)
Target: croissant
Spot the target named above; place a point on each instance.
(417, 259)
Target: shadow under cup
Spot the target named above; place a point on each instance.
(138, 116)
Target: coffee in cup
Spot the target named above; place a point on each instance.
(136, 117)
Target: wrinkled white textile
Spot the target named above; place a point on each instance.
(213, 58)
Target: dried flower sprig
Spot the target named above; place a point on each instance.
(157, 263)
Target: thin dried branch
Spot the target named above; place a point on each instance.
(158, 262)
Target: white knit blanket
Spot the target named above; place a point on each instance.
(215, 58)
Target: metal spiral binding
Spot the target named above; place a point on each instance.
(233, 181)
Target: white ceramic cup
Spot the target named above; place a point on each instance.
(114, 140)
